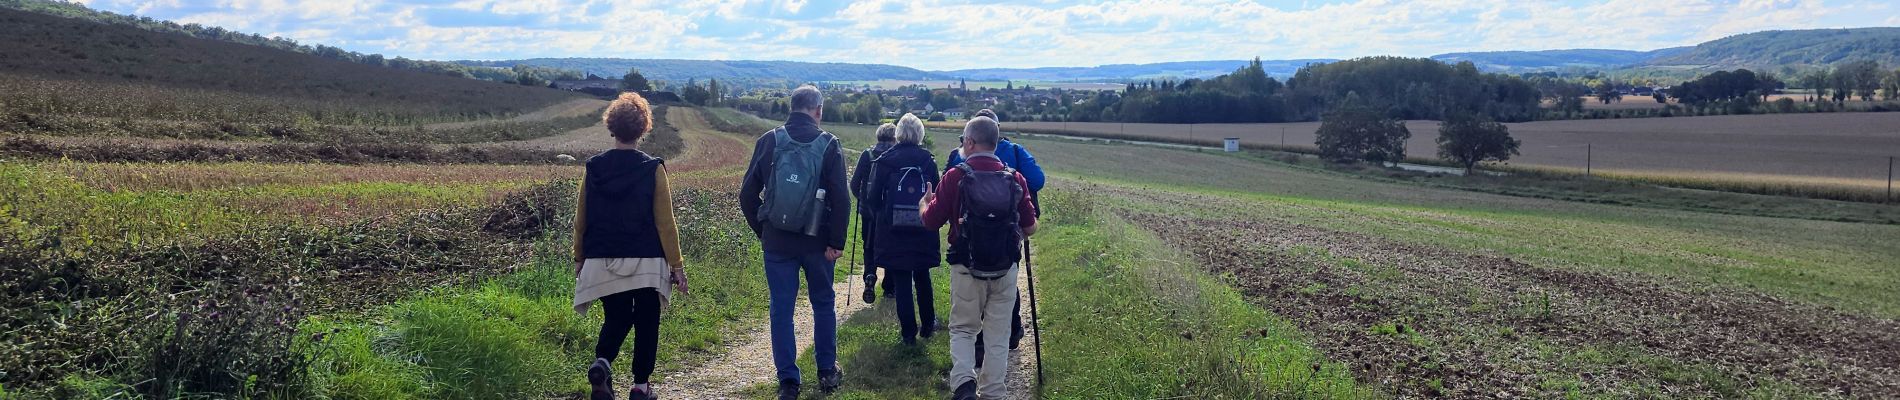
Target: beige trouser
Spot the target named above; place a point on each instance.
(980, 305)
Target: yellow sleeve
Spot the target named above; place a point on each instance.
(580, 219)
(663, 219)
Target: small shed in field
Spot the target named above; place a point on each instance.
(1232, 144)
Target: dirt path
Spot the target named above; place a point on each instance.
(1426, 321)
(748, 361)
(1022, 365)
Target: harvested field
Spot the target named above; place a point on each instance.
(1427, 321)
(1850, 148)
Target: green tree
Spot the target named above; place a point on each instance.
(1861, 77)
(1469, 140)
(1354, 131)
(633, 81)
(1890, 86)
(694, 93)
(1817, 81)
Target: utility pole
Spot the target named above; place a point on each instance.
(1587, 157)
(1283, 138)
(1889, 179)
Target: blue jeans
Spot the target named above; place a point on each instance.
(781, 278)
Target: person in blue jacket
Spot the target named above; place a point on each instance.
(1014, 156)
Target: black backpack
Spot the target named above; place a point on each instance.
(990, 235)
(901, 194)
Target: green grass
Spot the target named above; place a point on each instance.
(1126, 318)
(518, 336)
(1121, 319)
(44, 198)
(1847, 265)
(875, 362)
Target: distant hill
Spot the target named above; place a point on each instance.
(739, 70)
(1523, 61)
(1183, 69)
(60, 66)
(1792, 48)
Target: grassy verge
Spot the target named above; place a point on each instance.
(517, 336)
(1126, 317)
(1122, 318)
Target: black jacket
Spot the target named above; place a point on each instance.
(837, 196)
(620, 222)
(860, 174)
(913, 249)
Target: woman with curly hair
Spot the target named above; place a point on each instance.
(626, 247)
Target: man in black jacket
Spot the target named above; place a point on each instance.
(789, 252)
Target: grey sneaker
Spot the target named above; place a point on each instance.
(601, 378)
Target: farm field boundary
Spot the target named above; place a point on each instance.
(1852, 168)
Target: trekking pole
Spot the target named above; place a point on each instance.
(852, 267)
(1034, 321)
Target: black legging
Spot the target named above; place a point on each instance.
(637, 309)
(912, 286)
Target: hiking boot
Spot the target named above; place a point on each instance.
(870, 289)
(966, 391)
(641, 392)
(829, 381)
(787, 390)
(930, 328)
(600, 378)
(1016, 336)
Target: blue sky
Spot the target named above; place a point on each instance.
(941, 35)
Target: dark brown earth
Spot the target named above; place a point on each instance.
(1426, 321)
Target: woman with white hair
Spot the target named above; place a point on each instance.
(906, 248)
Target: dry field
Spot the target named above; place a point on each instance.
(1842, 148)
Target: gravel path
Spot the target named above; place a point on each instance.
(748, 361)
(1022, 366)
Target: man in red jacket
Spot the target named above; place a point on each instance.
(981, 300)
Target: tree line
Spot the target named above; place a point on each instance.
(1398, 87)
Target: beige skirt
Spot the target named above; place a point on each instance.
(601, 277)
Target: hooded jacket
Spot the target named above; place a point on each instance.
(908, 249)
(619, 194)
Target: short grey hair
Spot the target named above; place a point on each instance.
(982, 131)
(910, 129)
(807, 98)
(886, 133)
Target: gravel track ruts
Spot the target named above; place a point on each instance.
(1742, 335)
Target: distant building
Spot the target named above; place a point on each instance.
(954, 113)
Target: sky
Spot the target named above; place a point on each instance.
(946, 35)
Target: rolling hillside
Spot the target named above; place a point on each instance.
(58, 66)
(1792, 48)
(741, 70)
(1515, 61)
(1184, 69)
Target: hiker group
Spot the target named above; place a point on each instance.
(797, 199)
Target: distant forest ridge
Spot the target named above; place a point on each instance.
(1542, 60)
(1768, 50)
